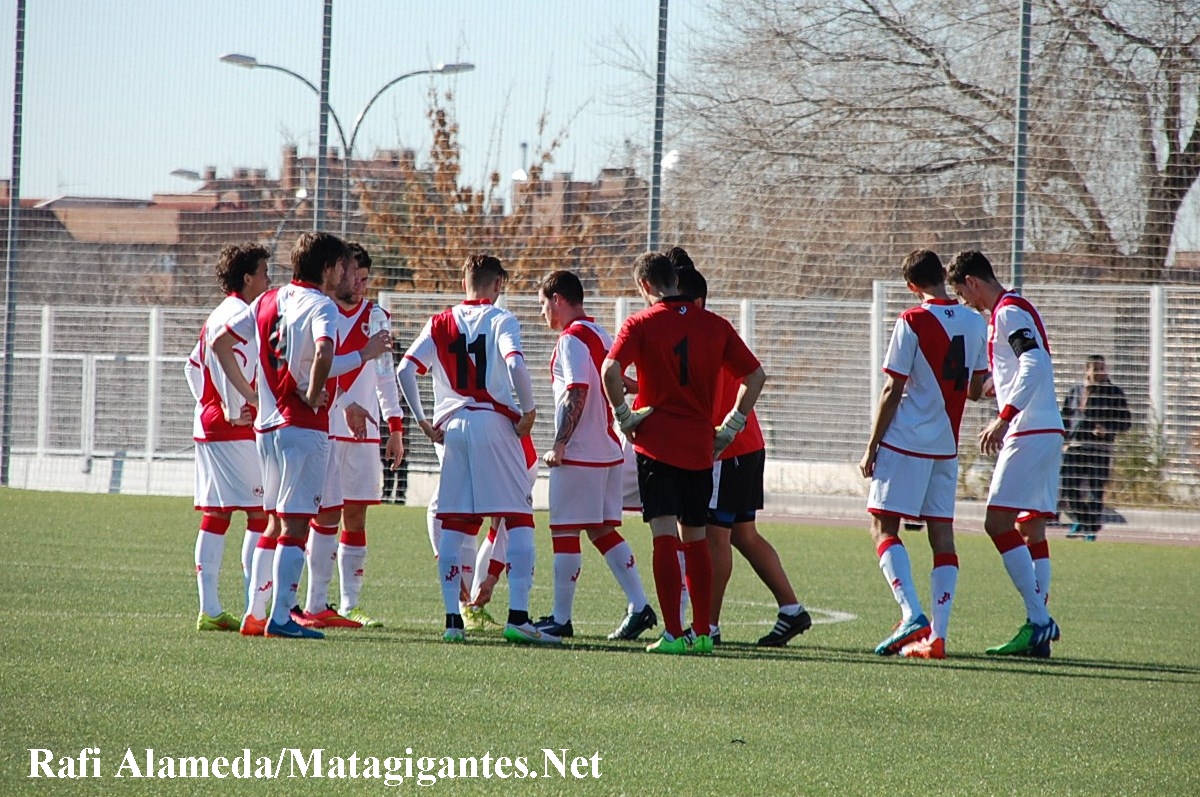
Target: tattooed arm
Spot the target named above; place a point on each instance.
(566, 419)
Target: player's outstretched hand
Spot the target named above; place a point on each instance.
(629, 420)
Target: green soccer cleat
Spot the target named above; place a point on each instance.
(362, 618)
(1030, 640)
(454, 635)
(670, 647)
(222, 622)
(529, 634)
(703, 645)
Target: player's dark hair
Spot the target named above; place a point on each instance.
(360, 255)
(692, 283)
(1095, 359)
(655, 268)
(565, 284)
(680, 259)
(970, 263)
(480, 270)
(236, 262)
(315, 252)
(923, 268)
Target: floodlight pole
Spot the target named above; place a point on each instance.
(11, 259)
(660, 93)
(1020, 155)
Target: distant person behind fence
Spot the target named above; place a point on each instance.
(1094, 412)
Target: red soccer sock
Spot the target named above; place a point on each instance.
(699, 582)
(667, 582)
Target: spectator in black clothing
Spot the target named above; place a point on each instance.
(1094, 414)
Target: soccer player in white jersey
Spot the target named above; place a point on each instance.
(354, 475)
(1027, 435)
(585, 462)
(936, 360)
(228, 476)
(295, 327)
(473, 352)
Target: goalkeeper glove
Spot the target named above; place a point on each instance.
(629, 419)
(734, 422)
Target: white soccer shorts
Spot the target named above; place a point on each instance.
(484, 469)
(1026, 475)
(293, 462)
(913, 487)
(584, 498)
(228, 476)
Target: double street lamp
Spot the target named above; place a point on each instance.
(250, 62)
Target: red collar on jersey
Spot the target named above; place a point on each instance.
(1001, 298)
(304, 284)
(575, 321)
(352, 310)
(476, 301)
(942, 301)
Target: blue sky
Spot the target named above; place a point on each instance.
(118, 94)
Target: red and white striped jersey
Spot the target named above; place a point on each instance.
(935, 348)
(211, 388)
(464, 348)
(288, 323)
(371, 385)
(1022, 370)
(578, 355)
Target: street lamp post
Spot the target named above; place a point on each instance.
(250, 62)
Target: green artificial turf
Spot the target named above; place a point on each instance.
(99, 650)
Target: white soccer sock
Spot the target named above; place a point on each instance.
(1019, 564)
(620, 559)
(483, 557)
(261, 577)
(791, 609)
(942, 581)
(321, 555)
(520, 574)
(1040, 552)
(567, 563)
(289, 564)
(683, 593)
(352, 558)
(466, 564)
(897, 570)
(449, 570)
(249, 543)
(210, 547)
(434, 526)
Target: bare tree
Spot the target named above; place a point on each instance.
(857, 127)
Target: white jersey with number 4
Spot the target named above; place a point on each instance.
(288, 321)
(578, 354)
(935, 347)
(465, 348)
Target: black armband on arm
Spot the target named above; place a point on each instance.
(1023, 340)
